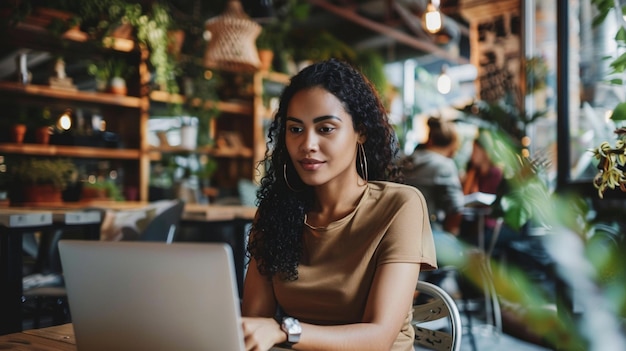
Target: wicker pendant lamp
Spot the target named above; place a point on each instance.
(232, 45)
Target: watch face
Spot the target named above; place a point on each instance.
(292, 327)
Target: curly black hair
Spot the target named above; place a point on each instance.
(276, 240)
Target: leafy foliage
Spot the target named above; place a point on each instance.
(29, 171)
(612, 157)
(501, 115)
(276, 31)
(99, 18)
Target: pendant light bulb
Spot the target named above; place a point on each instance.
(444, 82)
(432, 18)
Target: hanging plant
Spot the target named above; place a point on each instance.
(98, 18)
(612, 157)
(151, 29)
(150, 26)
(611, 164)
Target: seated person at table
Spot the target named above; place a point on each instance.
(431, 169)
(336, 244)
(483, 175)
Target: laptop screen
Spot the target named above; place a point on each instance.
(128, 295)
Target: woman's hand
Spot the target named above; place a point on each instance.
(261, 334)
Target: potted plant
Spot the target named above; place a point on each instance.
(19, 127)
(37, 180)
(101, 71)
(119, 71)
(148, 25)
(275, 34)
(152, 26)
(611, 157)
(41, 122)
(265, 46)
(101, 189)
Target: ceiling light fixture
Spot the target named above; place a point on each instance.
(432, 17)
(232, 40)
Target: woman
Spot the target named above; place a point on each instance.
(483, 175)
(432, 170)
(334, 248)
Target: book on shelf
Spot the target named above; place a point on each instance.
(479, 199)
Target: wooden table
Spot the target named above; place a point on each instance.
(57, 338)
(208, 212)
(207, 220)
(13, 223)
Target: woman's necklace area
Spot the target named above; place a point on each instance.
(312, 227)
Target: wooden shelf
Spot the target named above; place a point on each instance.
(70, 95)
(241, 108)
(69, 151)
(126, 115)
(37, 37)
(215, 152)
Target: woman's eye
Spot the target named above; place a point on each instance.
(294, 129)
(326, 129)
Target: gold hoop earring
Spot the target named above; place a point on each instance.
(287, 182)
(362, 161)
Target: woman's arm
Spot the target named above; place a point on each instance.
(388, 304)
(260, 330)
(258, 294)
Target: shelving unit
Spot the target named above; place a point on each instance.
(127, 116)
(245, 117)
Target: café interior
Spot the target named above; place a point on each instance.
(146, 120)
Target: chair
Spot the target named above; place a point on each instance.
(163, 227)
(43, 285)
(436, 319)
(47, 288)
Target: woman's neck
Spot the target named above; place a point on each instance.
(335, 201)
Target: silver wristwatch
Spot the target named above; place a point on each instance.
(292, 328)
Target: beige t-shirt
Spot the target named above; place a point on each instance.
(389, 224)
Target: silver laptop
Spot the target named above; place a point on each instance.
(152, 296)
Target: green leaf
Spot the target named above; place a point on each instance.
(619, 64)
(619, 112)
(515, 215)
(621, 35)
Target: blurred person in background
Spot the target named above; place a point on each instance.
(431, 169)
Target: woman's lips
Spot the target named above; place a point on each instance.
(310, 164)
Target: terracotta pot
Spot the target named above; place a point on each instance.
(118, 86)
(93, 193)
(45, 193)
(18, 132)
(177, 38)
(42, 135)
(266, 56)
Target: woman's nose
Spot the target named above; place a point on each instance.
(309, 142)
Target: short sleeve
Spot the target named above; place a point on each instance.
(409, 236)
